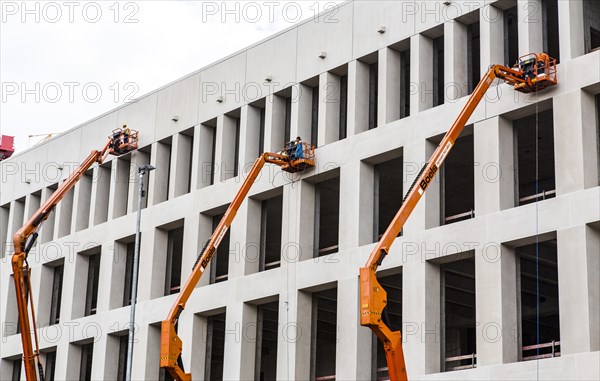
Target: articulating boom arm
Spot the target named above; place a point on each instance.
(23, 241)
(170, 343)
(531, 73)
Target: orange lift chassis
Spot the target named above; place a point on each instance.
(532, 72)
(24, 239)
(170, 343)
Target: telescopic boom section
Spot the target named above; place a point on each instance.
(24, 239)
(170, 343)
(531, 73)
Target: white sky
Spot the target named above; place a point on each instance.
(50, 51)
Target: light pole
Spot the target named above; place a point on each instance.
(136, 257)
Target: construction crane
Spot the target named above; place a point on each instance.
(531, 73)
(46, 137)
(118, 144)
(290, 160)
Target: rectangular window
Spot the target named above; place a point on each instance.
(16, 370)
(219, 268)
(128, 274)
(324, 326)
(473, 52)
(4, 215)
(405, 83)
(270, 233)
(91, 298)
(314, 117)
(288, 121)
(388, 195)
(327, 199)
(56, 294)
(236, 159)
(438, 71)
(213, 153)
(122, 366)
(458, 312)
(538, 284)
(458, 182)
(174, 256)
(266, 341)
(343, 107)
(535, 157)
(85, 371)
(261, 138)
(511, 36)
(550, 33)
(393, 310)
(591, 11)
(50, 366)
(215, 350)
(373, 94)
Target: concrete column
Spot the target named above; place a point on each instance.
(100, 195)
(358, 99)
(421, 75)
(180, 165)
(159, 178)
(298, 222)
(301, 111)
(64, 214)
(427, 212)
(274, 123)
(421, 316)
(494, 173)
(225, 150)
(491, 27)
(83, 192)
(293, 343)
(575, 147)
(15, 221)
(455, 58)
(105, 358)
(249, 136)
(356, 192)
(191, 246)
(531, 35)
(138, 158)
(389, 86)
(119, 188)
(73, 305)
(245, 240)
(111, 283)
(146, 353)
(194, 329)
(205, 155)
(240, 342)
(329, 108)
(353, 357)
(196, 148)
(152, 264)
(496, 301)
(578, 284)
(67, 361)
(570, 29)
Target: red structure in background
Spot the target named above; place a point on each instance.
(6, 146)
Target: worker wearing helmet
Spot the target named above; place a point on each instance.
(126, 133)
(297, 149)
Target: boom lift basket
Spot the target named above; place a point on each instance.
(301, 163)
(539, 72)
(121, 147)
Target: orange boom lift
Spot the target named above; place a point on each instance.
(531, 73)
(25, 237)
(170, 343)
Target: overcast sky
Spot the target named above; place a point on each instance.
(63, 63)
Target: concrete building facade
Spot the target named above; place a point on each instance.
(495, 276)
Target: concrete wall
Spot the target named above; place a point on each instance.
(291, 57)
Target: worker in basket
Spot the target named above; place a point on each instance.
(126, 133)
(297, 149)
(116, 141)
